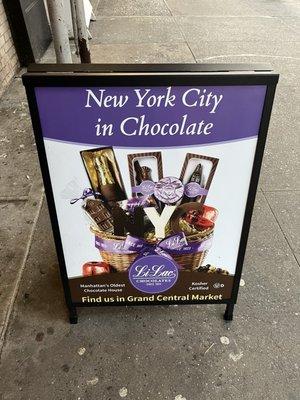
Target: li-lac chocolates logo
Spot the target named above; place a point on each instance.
(153, 273)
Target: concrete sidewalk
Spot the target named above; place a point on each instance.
(166, 352)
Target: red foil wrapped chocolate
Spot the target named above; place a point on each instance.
(202, 219)
(95, 268)
(100, 268)
(210, 213)
(87, 269)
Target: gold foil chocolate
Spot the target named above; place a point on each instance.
(104, 174)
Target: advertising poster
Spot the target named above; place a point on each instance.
(150, 185)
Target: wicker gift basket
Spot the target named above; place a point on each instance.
(121, 261)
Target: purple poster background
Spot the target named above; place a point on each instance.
(64, 117)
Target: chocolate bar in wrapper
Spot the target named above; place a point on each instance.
(104, 174)
(99, 214)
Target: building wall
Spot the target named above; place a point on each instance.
(9, 64)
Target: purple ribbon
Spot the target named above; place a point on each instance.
(191, 189)
(112, 246)
(141, 201)
(86, 193)
(174, 244)
(145, 187)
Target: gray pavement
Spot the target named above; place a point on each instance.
(166, 352)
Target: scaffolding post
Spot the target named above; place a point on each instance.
(59, 31)
(74, 24)
(83, 39)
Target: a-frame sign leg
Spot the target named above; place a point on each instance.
(228, 315)
(73, 317)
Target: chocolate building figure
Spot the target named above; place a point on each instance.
(142, 173)
(146, 173)
(197, 176)
(138, 172)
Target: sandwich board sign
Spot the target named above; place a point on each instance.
(150, 173)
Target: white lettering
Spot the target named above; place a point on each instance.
(160, 221)
(105, 100)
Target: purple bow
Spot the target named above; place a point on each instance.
(86, 193)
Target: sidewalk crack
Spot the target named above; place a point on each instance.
(11, 304)
(282, 231)
(181, 31)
